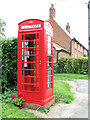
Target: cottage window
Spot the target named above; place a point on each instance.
(78, 47)
(72, 54)
(81, 49)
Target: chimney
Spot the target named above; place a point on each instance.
(52, 11)
(68, 27)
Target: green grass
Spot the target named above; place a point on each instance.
(62, 89)
(69, 76)
(0, 109)
(62, 92)
(11, 111)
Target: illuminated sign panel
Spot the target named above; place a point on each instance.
(48, 28)
(30, 26)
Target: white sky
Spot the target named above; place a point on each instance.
(73, 11)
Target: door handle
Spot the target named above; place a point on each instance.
(40, 62)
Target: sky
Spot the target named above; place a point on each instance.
(73, 11)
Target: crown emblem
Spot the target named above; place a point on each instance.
(30, 22)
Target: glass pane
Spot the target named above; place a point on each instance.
(37, 36)
(49, 58)
(37, 72)
(49, 45)
(37, 85)
(30, 87)
(30, 44)
(49, 72)
(22, 65)
(37, 65)
(49, 79)
(49, 38)
(30, 37)
(22, 51)
(30, 72)
(22, 72)
(49, 52)
(49, 86)
(37, 51)
(37, 80)
(34, 80)
(26, 44)
(49, 65)
(30, 51)
(27, 51)
(26, 58)
(29, 79)
(22, 44)
(29, 58)
(22, 58)
(22, 37)
(29, 66)
(37, 43)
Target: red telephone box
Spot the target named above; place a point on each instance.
(35, 61)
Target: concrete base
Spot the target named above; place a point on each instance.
(37, 107)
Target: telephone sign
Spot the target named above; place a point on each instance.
(30, 26)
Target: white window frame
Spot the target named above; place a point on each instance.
(81, 49)
(72, 54)
(78, 55)
(78, 47)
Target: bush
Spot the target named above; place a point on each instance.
(56, 68)
(9, 63)
(74, 65)
(6, 96)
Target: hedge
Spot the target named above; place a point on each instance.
(9, 63)
(73, 65)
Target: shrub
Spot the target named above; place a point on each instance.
(56, 68)
(68, 67)
(9, 63)
(74, 65)
(6, 96)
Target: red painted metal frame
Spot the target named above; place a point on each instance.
(42, 94)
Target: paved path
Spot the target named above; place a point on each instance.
(77, 109)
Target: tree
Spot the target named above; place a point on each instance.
(2, 31)
(2, 28)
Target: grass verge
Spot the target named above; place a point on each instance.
(69, 76)
(62, 92)
(11, 111)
